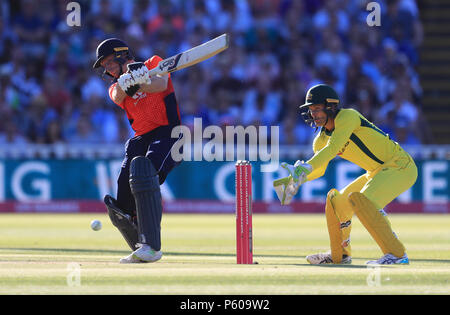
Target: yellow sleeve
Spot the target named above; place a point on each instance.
(316, 173)
(344, 125)
(318, 144)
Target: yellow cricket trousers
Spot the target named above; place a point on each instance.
(380, 186)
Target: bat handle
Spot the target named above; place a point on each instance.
(155, 71)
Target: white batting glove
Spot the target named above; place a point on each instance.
(140, 72)
(126, 81)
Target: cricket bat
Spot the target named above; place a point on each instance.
(192, 56)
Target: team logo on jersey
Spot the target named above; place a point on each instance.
(139, 96)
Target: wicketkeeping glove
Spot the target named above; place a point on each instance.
(286, 188)
(299, 171)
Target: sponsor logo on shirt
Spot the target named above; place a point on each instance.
(139, 96)
(343, 149)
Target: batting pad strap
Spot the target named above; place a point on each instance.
(334, 228)
(376, 224)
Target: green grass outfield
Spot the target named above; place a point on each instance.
(38, 253)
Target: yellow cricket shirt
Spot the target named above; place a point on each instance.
(355, 139)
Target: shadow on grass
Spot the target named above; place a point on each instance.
(412, 261)
(443, 261)
(332, 266)
(365, 266)
(65, 250)
(124, 252)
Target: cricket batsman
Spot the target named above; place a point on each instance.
(389, 172)
(152, 110)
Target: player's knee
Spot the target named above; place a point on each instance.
(332, 194)
(353, 195)
(338, 200)
(358, 201)
(143, 175)
(142, 166)
(340, 205)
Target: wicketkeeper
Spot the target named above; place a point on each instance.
(389, 172)
(152, 110)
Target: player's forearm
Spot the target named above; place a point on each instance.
(323, 157)
(118, 95)
(158, 84)
(316, 173)
(338, 140)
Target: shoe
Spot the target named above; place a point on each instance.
(144, 254)
(130, 259)
(325, 258)
(390, 259)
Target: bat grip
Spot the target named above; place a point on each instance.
(156, 71)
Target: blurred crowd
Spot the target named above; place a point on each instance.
(49, 92)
